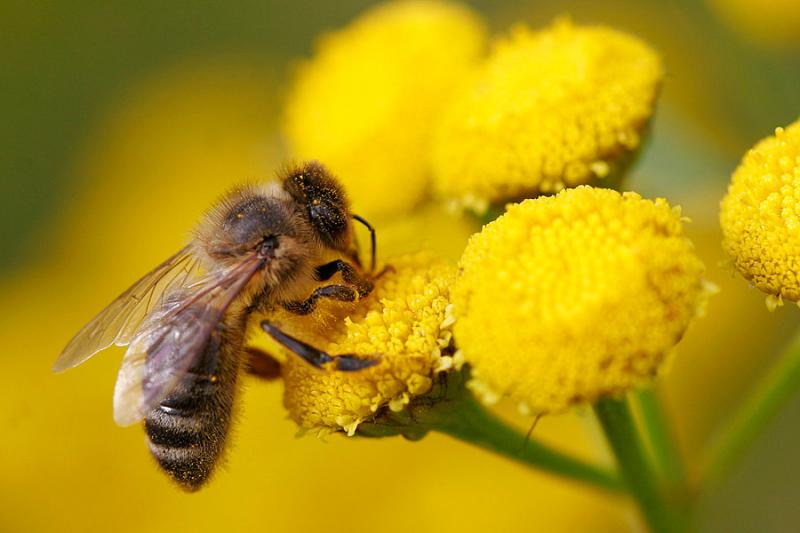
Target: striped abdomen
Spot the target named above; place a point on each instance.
(187, 431)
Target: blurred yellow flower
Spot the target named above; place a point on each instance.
(768, 22)
(550, 109)
(760, 215)
(570, 297)
(363, 103)
(405, 322)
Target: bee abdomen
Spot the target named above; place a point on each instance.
(187, 431)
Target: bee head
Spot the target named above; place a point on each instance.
(324, 201)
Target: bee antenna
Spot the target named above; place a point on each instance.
(371, 236)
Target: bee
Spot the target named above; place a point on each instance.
(261, 247)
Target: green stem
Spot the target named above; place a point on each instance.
(617, 421)
(470, 422)
(451, 409)
(666, 455)
(758, 409)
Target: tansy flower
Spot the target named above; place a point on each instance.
(567, 298)
(549, 109)
(760, 215)
(363, 103)
(405, 322)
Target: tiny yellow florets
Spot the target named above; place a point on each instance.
(363, 103)
(406, 322)
(567, 298)
(760, 215)
(550, 109)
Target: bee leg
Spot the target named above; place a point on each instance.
(350, 276)
(341, 293)
(261, 364)
(306, 351)
(315, 356)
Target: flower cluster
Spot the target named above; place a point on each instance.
(404, 99)
(562, 300)
(760, 216)
(405, 96)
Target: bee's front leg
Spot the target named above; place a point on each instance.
(355, 286)
(350, 275)
(342, 293)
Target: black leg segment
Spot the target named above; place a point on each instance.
(307, 352)
(341, 293)
(350, 275)
(315, 356)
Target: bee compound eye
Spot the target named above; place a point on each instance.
(329, 221)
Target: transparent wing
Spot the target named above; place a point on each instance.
(172, 338)
(117, 323)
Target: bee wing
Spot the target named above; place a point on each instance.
(117, 323)
(172, 338)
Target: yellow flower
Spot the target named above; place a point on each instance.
(760, 215)
(406, 322)
(550, 109)
(567, 298)
(364, 103)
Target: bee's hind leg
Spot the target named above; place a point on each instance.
(315, 356)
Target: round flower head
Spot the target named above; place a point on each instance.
(570, 297)
(549, 109)
(405, 323)
(760, 215)
(363, 103)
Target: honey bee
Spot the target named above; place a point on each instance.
(259, 248)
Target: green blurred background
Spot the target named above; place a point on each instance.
(121, 121)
